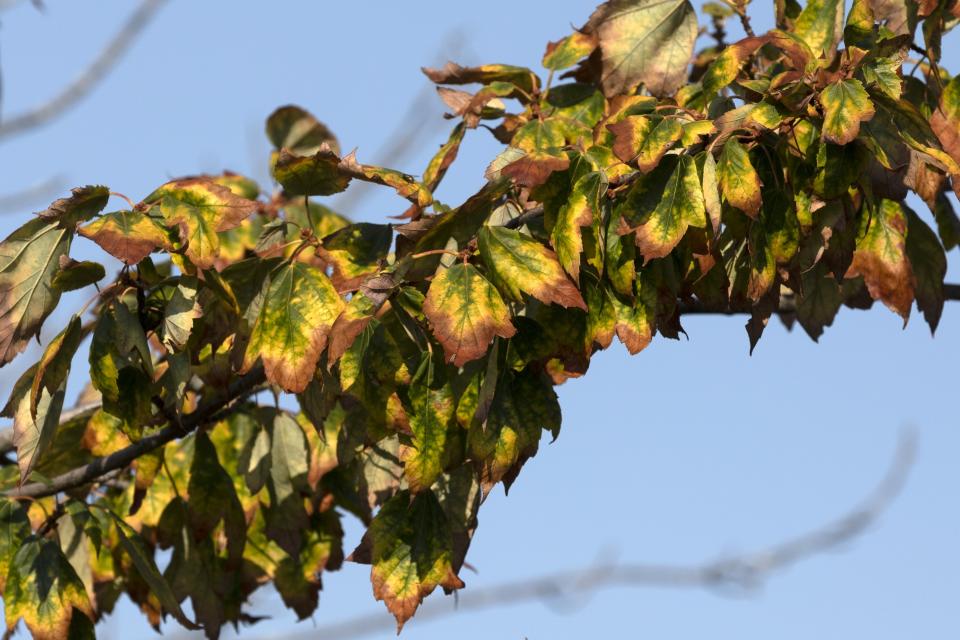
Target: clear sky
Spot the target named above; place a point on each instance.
(690, 450)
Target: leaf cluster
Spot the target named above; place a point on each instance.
(261, 367)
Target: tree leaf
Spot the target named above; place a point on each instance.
(518, 263)
(443, 158)
(663, 205)
(54, 365)
(880, 257)
(465, 312)
(580, 210)
(75, 275)
(82, 204)
(315, 175)
(534, 168)
(29, 259)
(291, 329)
(820, 25)
(945, 120)
(845, 105)
(929, 265)
(32, 436)
(179, 313)
(566, 52)
(292, 128)
(133, 545)
(726, 67)
(129, 236)
(432, 416)
(643, 139)
(739, 181)
(644, 41)
(201, 208)
(44, 590)
(819, 301)
(356, 251)
(410, 549)
(14, 529)
(453, 73)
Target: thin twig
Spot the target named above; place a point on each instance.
(742, 572)
(89, 78)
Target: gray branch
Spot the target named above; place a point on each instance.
(740, 573)
(89, 78)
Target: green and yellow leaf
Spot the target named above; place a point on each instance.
(466, 312)
(290, 333)
(738, 179)
(845, 105)
(519, 264)
(129, 236)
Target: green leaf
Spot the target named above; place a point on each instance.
(711, 191)
(315, 175)
(33, 428)
(819, 300)
(356, 251)
(443, 158)
(80, 206)
(121, 366)
(29, 259)
(565, 53)
(929, 265)
(201, 208)
(581, 209)
(881, 258)
(726, 67)
(54, 365)
(291, 329)
(44, 590)
(129, 236)
(14, 529)
(75, 275)
(409, 546)
(739, 181)
(179, 313)
(643, 139)
(820, 25)
(212, 498)
(294, 129)
(518, 263)
(845, 105)
(433, 412)
(644, 41)
(663, 204)
(465, 312)
(134, 547)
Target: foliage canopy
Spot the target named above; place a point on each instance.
(417, 361)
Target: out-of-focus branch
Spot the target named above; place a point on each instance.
(742, 572)
(89, 78)
(420, 121)
(43, 190)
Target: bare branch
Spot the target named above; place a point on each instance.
(744, 572)
(89, 78)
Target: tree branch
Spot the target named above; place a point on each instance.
(208, 412)
(744, 572)
(44, 190)
(89, 78)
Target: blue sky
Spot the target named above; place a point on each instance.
(690, 450)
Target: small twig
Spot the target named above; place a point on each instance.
(89, 78)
